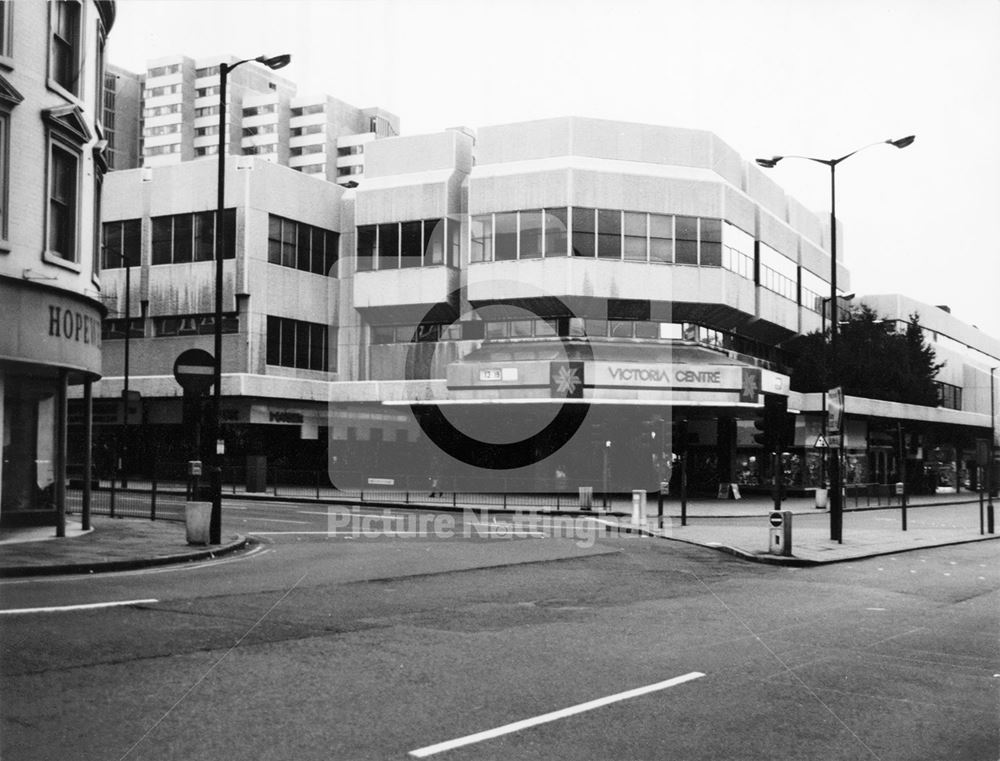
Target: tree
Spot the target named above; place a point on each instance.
(874, 361)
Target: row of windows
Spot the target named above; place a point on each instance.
(163, 129)
(267, 108)
(260, 150)
(162, 327)
(317, 108)
(601, 233)
(182, 238)
(261, 129)
(160, 150)
(396, 245)
(212, 129)
(206, 111)
(203, 92)
(351, 150)
(949, 396)
(159, 71)
(153, 92)
(173, 108)
(207, 71)
(301, 246)
(344, 171)
(305, 150)
(310, 129)
(296, 343)
(312, 168)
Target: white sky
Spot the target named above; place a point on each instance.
(811, 77)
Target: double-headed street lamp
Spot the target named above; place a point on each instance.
(836, 501)
(271, 62)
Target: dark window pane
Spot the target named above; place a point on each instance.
(302, 345)
(273, 340)
(412, 244)
(621, 328)
(711, 230)
(635, 236)
(433, 241)
(687, 240)
(62, 204)
(644, 329)
(112, 245)
(162, 240)
(454, 241)
(183, 237)
(531, 234)
(204, 236)
(595, 328)
(506, 236)
(132, 241)
(556, 232)
(366, 248)
(482, 238)
(305, 247)
(711, 254)
(274, 239)
(288, 238)
(229, 231)
(287, 342)
(317, 347)
(609, 232)
(583, 232)
(388, 246)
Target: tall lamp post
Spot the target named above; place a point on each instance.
(836, 497)
(826, 434)
(271, 62)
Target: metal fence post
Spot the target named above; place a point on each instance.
(113, 477)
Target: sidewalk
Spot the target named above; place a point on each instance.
(740, 528)
(112, 545)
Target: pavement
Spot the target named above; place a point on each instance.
(740, 528)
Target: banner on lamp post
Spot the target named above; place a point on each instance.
(835, 410)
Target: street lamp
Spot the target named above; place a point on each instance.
(836, 501)
(271, 62)
(826, 434)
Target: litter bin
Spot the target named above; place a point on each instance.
(197, 521)
(256, 473)
(586, 497)
(821, 497)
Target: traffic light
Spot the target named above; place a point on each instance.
(771, 423)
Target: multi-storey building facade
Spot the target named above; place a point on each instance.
(52, 162)
(179, 108)
(570, 296)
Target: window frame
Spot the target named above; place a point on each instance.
(75, 154)
(74, 46)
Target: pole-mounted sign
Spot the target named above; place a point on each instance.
(194, 370)
(835, 409)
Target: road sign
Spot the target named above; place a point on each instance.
(821, 442)
(835, 409)
(776, 519)
(194, 369)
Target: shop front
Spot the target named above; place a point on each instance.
(54, 342)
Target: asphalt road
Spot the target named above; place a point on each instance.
(496, 642)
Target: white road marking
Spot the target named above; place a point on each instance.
(874, 608)
(377, 533)
(277, 520)
(88, 606)
(517, 726)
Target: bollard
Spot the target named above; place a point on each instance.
(638, 507)
(780, 534)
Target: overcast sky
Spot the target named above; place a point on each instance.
(812, 77)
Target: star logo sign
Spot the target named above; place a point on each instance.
(567, 379)
(751, 385)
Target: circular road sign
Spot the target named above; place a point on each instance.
(777, 519)
(194, 369)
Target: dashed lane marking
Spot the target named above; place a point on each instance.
(544, 718)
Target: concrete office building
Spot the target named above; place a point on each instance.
(489, 288)
(52, 162)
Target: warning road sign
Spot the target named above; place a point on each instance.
(821, 442)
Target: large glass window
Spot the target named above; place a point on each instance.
(505, 235)
(63, 212)
(686, 240)
(411, 244)
(661, 238)
(182, 238)
(556, 232)
(711, 242)
(296, 343)
(584, 229)
(122, 243)
(812, 290)
(531, 234)
(635, 236)
(64, 66)
(434, 230)
(367, 240)
(482, 238)
(778, 273)
(609, 234)
(301, 246)
(388, 246)
(737, 251)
